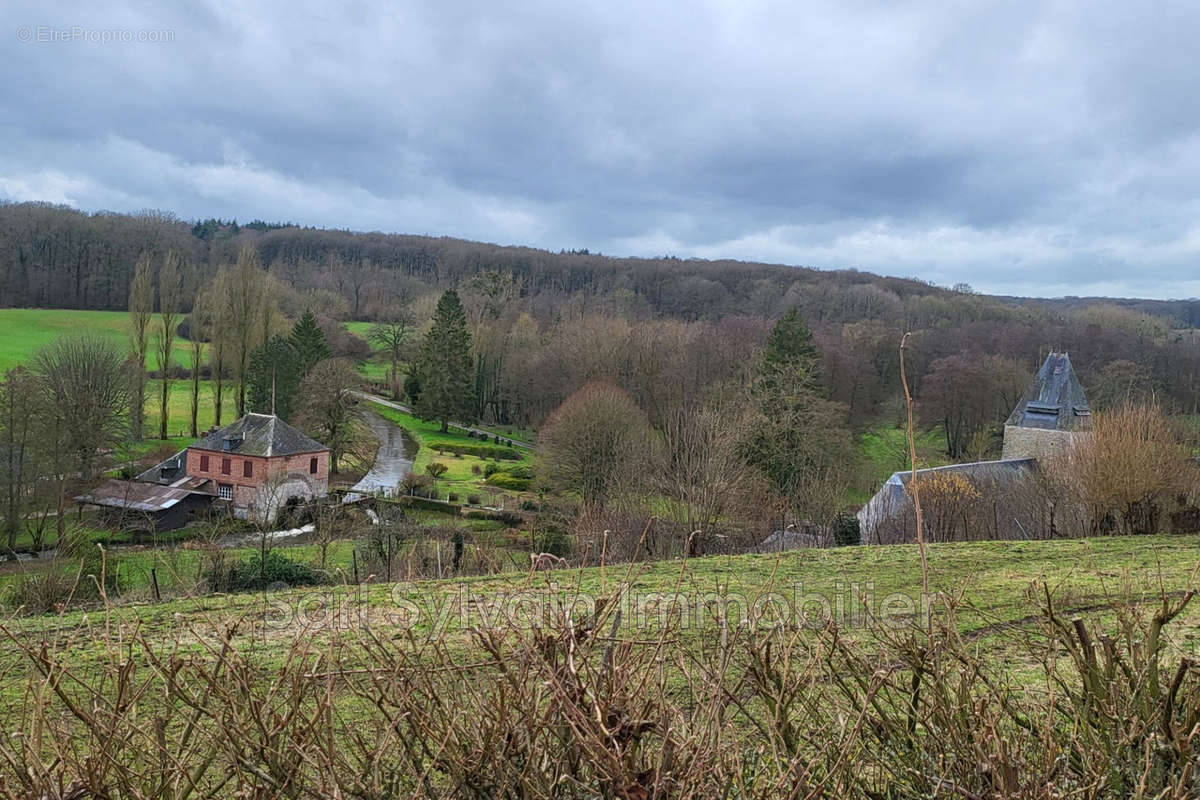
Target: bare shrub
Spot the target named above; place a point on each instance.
(1122, 470)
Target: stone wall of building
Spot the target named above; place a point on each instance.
(1037, 443)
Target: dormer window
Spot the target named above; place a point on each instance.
(231, 443)
(1048, 409)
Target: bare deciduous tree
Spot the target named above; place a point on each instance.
(170, 291)
(597, 443)
(327, 407)
(20, 394)
(141, 311)
(701, 472)
(87, 384)
(392, 335)
(199, 331)
(245, 304)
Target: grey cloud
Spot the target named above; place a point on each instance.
(1024, 147)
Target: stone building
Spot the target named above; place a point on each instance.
(1052, 410)
(1003, 499)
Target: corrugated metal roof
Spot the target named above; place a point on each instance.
(135, 496)
(1054, 399)
(260, 435)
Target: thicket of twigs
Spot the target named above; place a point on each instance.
(584, 707)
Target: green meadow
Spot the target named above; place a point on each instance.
(24, 331)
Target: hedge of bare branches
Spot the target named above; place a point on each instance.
(588, 706)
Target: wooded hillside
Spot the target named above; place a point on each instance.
(559, 319)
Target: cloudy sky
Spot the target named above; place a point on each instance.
(1038, 148)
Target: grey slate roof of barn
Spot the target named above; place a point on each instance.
(893, 497)
(1054, 399)
(260, 435)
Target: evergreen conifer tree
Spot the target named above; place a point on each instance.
(790, 361)
(273, 377)
(308, 340)
(445, 367)
(798, 440)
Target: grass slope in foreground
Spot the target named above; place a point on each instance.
(991, 582)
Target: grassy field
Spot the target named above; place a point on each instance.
(23, 331)
(885, 451)
(990, 583)
(784, 651)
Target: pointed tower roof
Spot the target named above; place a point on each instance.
(1054, 399)
(260, 435)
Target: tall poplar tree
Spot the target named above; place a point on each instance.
(445, 366)
(250, 312)
(199, 331)
(141, 312)
(170, 291)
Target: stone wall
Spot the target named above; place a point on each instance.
(1037, 443)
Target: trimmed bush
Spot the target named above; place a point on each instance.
(510, 518)
(505, 480)
(846, 531)
(257, 573)
(478, 450)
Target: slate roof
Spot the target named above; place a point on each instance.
(893, 498)
(166, 472)
(1054, 399)
(135, 496)
(260, 435)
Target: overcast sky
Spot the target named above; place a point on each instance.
(1038, 148)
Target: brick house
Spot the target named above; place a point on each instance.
(260, 463)
(253, 467)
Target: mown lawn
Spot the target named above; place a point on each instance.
(885, 451)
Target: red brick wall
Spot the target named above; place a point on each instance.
(264, 469)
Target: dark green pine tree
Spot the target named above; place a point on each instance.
(446, 371)
(790, 361)
(273, 377)
(798, 432)
(308, 340)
